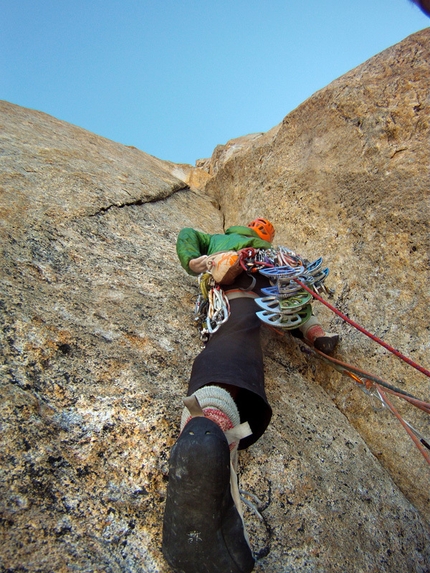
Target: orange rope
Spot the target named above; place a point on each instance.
(371, 381)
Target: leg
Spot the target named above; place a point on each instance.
(203, 528)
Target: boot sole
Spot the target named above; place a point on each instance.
(202, 529)
(327, 344)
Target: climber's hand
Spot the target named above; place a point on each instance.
(198, 265)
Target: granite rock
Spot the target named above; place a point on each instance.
(98, 337)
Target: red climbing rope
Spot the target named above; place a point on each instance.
(364, 331)
(369, 381)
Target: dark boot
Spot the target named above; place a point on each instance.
(315, 335)
(202, 530)
(326, 343)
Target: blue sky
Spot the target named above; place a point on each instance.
(176, 78)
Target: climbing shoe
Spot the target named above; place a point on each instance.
(315, 336)
(202, 529)
(326, 343)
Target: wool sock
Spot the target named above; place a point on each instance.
(217, 405)
(312, 329)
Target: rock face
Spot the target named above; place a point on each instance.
(98, 339)
(346, 175)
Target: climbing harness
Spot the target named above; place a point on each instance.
(285, 305)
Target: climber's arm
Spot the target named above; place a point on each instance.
(192, 247)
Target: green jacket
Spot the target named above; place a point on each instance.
(192, 244)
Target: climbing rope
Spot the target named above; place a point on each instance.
(295, 276)
(363, 330)
(375, 386)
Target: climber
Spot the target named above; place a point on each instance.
(226, 410)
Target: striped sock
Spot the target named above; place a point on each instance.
(217, 405)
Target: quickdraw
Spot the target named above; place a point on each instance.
(212, 308)
(251, 261)
(218, 310)
(289, 305)
(288, 321)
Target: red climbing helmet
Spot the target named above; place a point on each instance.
(264, 229)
